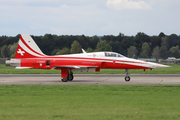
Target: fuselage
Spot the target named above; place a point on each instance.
(89, 60)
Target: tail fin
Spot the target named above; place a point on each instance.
(27, 48)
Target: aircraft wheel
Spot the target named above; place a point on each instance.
(64, 79)
(70, 77)
(127, 78)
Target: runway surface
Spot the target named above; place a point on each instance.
(89, 79)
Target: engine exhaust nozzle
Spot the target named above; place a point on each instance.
(13, 62)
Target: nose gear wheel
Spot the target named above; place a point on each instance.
(127, 78)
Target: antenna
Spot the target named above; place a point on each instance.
(83, 51)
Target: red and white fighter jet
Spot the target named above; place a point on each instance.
(28, 55)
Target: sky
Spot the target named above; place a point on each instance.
(89, 17)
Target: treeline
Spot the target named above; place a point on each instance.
(141, 45)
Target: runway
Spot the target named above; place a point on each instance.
(90, 79)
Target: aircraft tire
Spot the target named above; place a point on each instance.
(64, 79)
(127, 78)
(70, 77)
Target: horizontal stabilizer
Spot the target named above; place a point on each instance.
(23, 67)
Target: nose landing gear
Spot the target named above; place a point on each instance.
(127, 78)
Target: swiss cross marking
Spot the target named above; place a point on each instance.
(21, 52)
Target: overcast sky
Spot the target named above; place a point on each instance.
(89, 17)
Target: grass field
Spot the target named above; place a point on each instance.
(81, 102)
(174, 69)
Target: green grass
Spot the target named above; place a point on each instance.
(174, 69)
(87, 102)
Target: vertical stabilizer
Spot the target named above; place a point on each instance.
(27, 48)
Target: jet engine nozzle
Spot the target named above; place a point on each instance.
(13, 62)
(8, 62)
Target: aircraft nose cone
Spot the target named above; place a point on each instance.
(161, 66)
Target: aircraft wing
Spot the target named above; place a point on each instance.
(75, 67)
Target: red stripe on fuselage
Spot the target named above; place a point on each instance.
(35, 63)
(79, 61)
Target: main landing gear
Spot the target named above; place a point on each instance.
(127, 78)
(69, 77)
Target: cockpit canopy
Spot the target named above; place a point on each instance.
(113, 54)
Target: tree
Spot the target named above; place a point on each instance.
(155, 41)
(156, 52)
(50, 44)
(5, 52)
(13, 55)
(175, 52)
(103, 46)
(164, 41)
(83, 41)
(55, 51)
(93, 42)
(125, 43)
(163, 52)
(89, 50)
(0, 53)
(76, 47)
(162, 34)
(139, 39)
(145, 50)
(115, 46)
(132, 52)
(13, 49)
(120, 37)
(173, 40)
(63, 51)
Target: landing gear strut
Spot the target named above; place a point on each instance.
(69, 77)
(127, 78)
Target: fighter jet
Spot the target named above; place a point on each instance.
(28, 55)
